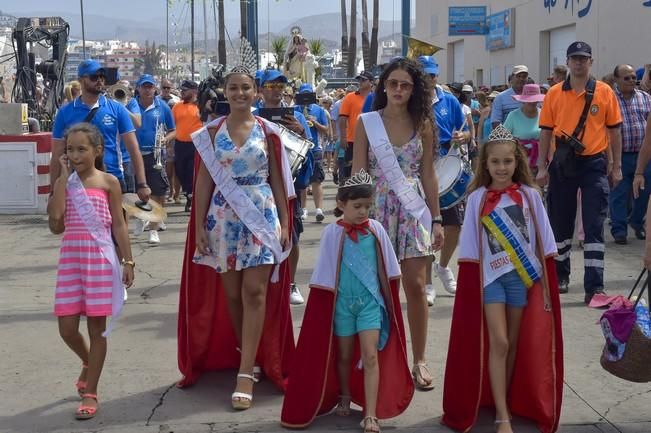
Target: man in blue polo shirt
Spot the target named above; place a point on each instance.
(109, 116)
(450, 122)
(504, 102)
(319, 119)
(155, 114)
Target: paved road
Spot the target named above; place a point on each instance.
(137, 393)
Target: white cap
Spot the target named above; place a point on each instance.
(467, 88)
(518, 69)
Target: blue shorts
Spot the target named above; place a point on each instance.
(354, 314)
(507, 289)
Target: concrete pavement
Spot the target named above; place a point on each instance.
(137, 392)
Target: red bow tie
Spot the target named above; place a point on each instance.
(493, 197)
(353, 229)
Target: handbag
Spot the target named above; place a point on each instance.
(627, 352)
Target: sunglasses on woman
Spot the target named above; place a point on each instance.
(395, 85)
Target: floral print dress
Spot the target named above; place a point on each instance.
(408, 236)
(233, 246)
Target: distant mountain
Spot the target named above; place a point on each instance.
(323, 26)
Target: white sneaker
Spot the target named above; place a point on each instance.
(153, 237)
(138, 227)
(319, 215)
(430, 293)
(447, 278)
(162, 227)
(304, 214)
(295, 297)
(126, 295)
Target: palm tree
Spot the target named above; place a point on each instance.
(221, 46)
(365, 41)
(374, 32)
(317, 47)
(278, 48)
(344, 34)
(352, 43)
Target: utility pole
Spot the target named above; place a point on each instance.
(205, 37)
(192, 39)
(167, 39)
(83, 30)
(406, 25)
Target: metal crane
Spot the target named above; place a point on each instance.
(48, 32)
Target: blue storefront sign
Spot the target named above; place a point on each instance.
(501, 30)
(466, 21)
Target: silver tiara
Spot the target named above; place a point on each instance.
(500, 133)
(247, 62)
(358, 179)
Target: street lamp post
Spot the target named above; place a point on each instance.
(83, 30)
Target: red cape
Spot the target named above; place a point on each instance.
(537, 387)
(206, 340)
(313, 385)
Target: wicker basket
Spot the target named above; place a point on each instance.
(635, 365)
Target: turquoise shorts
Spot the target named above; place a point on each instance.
(354, 314)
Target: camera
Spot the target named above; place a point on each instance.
(210, 95)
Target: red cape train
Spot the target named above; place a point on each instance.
(206, 340)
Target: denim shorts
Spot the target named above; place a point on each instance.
(507, 289)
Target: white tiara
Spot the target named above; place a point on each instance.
(247, 62)
(500, 133)
(358, 179)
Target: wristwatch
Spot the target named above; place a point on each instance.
(142, 185)
(437, 220)
(129, 262)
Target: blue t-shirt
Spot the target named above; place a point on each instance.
(112, 120)
(448, 114)
(503, 105)
(319, 114)
(157, 112)
(474, 105)
(132, 107)
(368, 103)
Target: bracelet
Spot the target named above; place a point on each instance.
(437, 220)
(129, 262)
(639, 174)
(142, 185)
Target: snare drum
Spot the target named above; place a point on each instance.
(296, 147)
(454, 177)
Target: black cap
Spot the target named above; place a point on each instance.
(457, 87)
(188, 84)
(579, 48)
(366, 75)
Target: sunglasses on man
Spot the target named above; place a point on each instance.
(96, 77)
(274, 86)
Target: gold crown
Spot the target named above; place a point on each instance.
(358, 179)
(500, 133)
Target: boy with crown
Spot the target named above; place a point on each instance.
(352, 342)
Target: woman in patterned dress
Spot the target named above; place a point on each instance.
(404, 102)
(223, 241)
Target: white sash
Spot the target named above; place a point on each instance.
(241, 204)
(94, 225)
(378, 141)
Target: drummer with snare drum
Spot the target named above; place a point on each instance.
(452, 130)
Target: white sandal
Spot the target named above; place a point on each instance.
(244, 400)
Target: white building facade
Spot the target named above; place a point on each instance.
(535, 33)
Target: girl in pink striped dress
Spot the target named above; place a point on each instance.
(87, 207)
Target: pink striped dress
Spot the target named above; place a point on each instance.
(84, 276)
